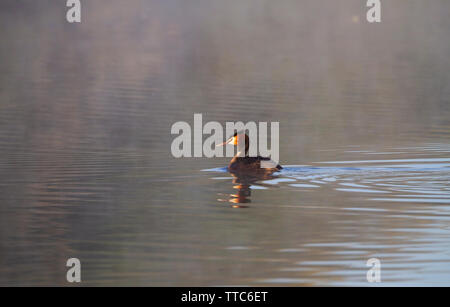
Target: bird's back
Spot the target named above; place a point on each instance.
(252, 163)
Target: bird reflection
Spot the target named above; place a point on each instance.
(242, 182)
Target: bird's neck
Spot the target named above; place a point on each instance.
(241, 154)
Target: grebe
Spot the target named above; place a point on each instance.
(245, 163)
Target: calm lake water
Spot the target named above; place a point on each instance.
(86, 169)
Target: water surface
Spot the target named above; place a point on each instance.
(85, 163)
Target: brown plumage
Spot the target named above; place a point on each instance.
(245, 163)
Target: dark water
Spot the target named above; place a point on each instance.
(85, 163)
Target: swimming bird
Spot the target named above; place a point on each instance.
(245, 163)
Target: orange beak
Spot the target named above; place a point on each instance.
(227, 142)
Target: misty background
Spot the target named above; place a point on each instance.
(86, 110)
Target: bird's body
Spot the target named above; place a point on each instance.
(252, 164)
(243, 163)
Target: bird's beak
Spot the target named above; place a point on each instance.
(225, 143)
